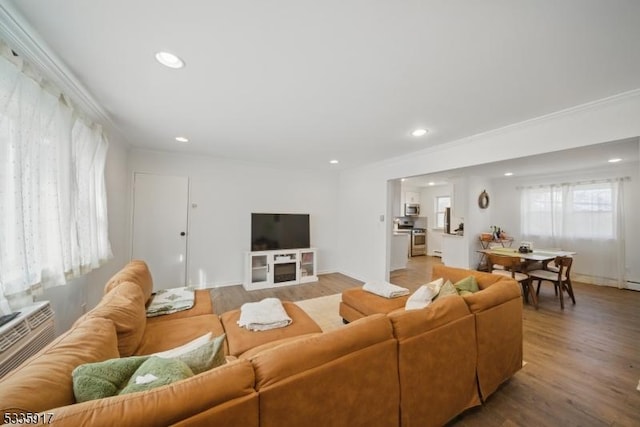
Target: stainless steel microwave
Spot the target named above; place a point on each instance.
(411, 209)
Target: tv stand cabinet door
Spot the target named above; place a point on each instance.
(308, 266)
(259, 271)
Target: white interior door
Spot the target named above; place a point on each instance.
(159, 237)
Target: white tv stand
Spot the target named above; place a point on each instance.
(270, 269)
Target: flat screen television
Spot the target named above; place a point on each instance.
(272, 231)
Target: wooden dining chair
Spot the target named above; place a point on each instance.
(509, 266)
(561, 278)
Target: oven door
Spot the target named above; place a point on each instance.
(418, 244)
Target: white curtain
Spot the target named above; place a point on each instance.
(53, 212)
(584, 217)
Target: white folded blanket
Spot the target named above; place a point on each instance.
(385, 289)
(264, 315)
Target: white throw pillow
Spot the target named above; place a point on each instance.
(185, 348)
(424, 295)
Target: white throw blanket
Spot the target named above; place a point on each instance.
(168, 301)
(264, 315)
(385, 289)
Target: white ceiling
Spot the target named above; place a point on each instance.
(590, 158)
(308, 81)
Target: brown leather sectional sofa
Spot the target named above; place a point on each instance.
(417, 368)
(497, 313)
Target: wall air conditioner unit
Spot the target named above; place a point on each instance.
(25, 335)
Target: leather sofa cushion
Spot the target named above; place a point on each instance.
(497, 293)
(242, 339)
(442, 311)
(307, 353)
(44, 381)
(124, 305)
(201, 305)
(255, 350)
(162, 336)
(437, 359)
(345, 377)
(368, 303)
(135, 271)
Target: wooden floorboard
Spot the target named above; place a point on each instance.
(583, 362)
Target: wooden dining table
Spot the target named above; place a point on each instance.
(537, 255)
(543, 256)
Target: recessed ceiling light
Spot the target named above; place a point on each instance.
(334, 162)
(432, 183)
(419, 132)
(616, 160)
(508, 173)
(182, 139)
(169, 60)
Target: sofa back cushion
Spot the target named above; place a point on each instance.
(44, 381)
(347, 376)
(498, 293)
(437, 359)
(483, 279)
(125, 306)
(409, 323)
(135, 271)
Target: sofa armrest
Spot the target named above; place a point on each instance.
(497, 293)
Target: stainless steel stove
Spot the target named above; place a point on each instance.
(418, 241)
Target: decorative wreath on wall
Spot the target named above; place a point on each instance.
(483, 200)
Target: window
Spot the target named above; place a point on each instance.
(585, 217)
(442, 202)
(53, 215)
(569, 210)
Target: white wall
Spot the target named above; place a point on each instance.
(477, 220)
(363, 249)
(227, 192)
(70, 301)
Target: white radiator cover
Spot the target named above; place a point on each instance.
(25, 335)
(633, 285)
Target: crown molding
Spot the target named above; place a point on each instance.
(23, 39)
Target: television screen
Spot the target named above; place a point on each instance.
(279, 231)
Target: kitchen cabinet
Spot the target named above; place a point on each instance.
(455, 251)
(412, 197)
(400, 245)
(269, 269)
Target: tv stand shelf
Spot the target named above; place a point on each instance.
(270, 269)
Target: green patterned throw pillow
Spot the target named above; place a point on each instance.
(467, 286)
(446, 290)
(103, 379)
(205, 357)
(156, 372)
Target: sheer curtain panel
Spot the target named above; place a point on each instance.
(53, 208)
(585, 217)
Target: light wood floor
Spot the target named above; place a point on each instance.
(583, 363)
